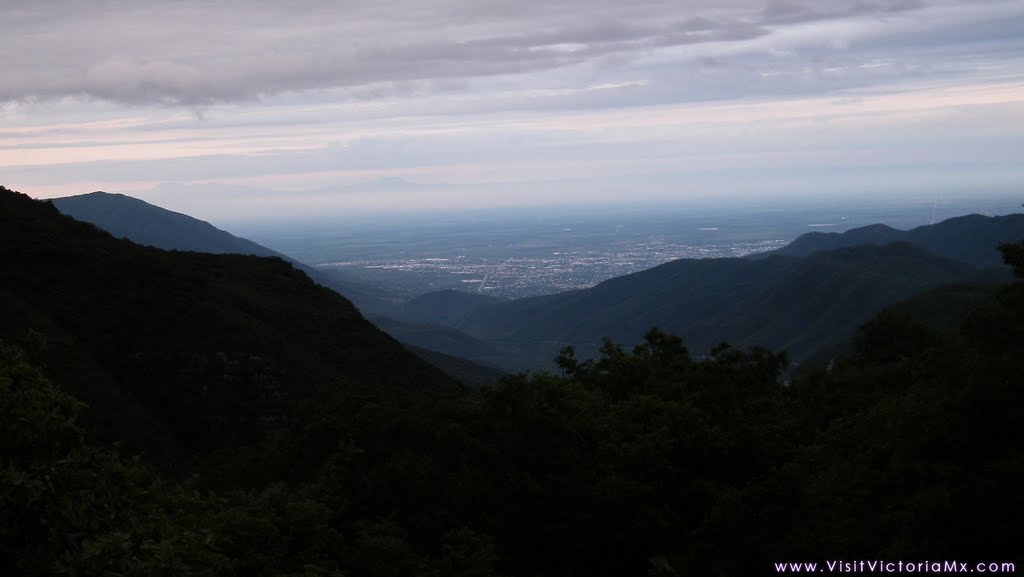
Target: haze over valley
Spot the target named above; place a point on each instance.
(529, 252)
(509, 291)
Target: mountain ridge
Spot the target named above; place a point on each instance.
(825, 294)
(320, 446)
(148, 224)
(188, 345)
(713, 300)
(971, 238)
(151, 225)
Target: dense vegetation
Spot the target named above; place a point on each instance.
(182, 351)
(971, 238)
(149, 225)
(644, 461)
(146, 224)
(804, 305)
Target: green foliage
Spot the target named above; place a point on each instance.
(37, 419)
(179, 353)
(1013, 255)
(70, 508)
(642, 461)
(804, 305)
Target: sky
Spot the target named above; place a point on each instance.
(233, 110)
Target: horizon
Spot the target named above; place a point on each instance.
(517, 253)
(901, 212)
(448, 107)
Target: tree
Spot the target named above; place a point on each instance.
(1013, 255)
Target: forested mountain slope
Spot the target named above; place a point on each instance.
(784, 303)
(191, 350)
(649, 460)
(143, 223)
(971, 238)
(147, 224)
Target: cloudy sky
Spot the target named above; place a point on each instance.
(236, 109)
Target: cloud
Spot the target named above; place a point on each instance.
(196, 53)
(293, 104)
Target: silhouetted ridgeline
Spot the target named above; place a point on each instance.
(193, 348)
(144, 223)
(150, 225)
(972, 239)
(800, 305)
(807, 305)
(308, 443)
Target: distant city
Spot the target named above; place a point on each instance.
(524, 276)
(516, 254)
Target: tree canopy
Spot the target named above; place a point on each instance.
(647, 460)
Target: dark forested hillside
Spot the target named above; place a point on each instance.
(146, 224)
(190, 349)
(971, 239)
(801, 305)
(143, 223)
(648, 460)
(450, 307)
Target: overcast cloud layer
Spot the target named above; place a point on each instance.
(235, 108)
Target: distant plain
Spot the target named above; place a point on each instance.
(515, 253)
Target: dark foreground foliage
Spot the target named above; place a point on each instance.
(645, 461)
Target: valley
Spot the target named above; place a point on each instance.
(524, 253)
(505, 292)
(524, 276)
(250, 420)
